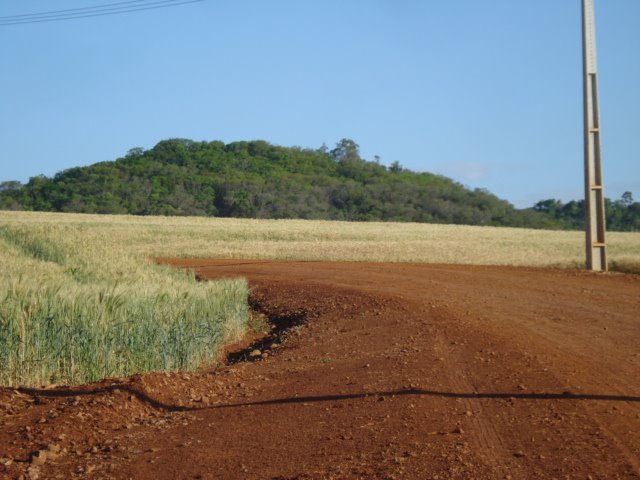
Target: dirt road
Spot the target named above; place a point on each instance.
(373, 371)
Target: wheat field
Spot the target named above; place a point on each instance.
(144, 237)
(77, 304)
(82, 298)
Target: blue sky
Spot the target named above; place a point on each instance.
(486, 92)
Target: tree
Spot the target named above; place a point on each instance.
(395, 167)
(10, 186)
(323, 149)
(550, 206)
(346, 150)
(135, 152)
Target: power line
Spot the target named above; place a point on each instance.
(96, 11)
(68, 10)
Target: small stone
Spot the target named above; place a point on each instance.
(33, 472)
(39, 458)
(255, 353)
(53, 456)
(519, 454)
(458, 430)
(53, 447)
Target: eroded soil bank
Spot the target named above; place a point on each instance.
(386, 371)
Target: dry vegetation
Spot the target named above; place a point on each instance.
(81, 298)
(142, 237)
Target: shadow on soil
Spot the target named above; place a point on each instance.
(434, 393)
(329, 398)
(280, 325)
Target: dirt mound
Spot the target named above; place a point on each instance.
(369, 371)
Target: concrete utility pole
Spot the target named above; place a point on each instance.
(594, 195)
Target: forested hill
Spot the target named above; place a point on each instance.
(260, 180)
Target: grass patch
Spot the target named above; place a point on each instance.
(625, 266)
(33, 242)
(258, 323)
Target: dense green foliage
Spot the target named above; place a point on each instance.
(621, 215)
(260, 180)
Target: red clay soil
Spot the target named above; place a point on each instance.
(371, 371)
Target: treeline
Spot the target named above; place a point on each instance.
(256, 179)
(259, 180)
(621, 215)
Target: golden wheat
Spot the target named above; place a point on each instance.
(109, 310)
(145, 237)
